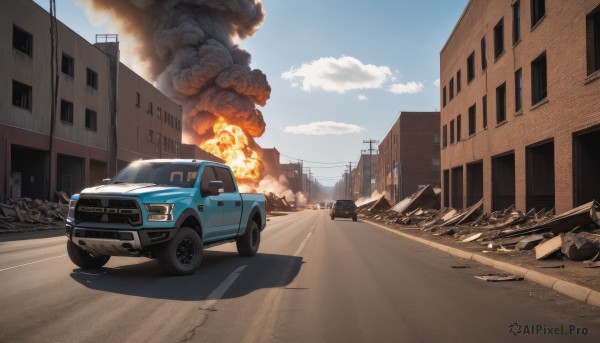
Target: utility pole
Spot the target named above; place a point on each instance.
(370, 142)
(350, 179)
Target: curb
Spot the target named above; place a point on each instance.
(567, 288)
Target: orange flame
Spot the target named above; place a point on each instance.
(231, 145)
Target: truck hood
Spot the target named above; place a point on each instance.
(147, 190)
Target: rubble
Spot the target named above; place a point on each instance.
(275, 203)
(23, 213)
(504, 231)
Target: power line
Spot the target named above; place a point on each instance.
(301, 159)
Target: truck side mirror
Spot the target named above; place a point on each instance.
(215, 188)
(105, 181)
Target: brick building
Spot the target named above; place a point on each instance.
(365, 176)
(409, 155)
(105, 115)
(520, 118)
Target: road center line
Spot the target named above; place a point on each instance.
(34, 262)
(301, 247)
(218, 292)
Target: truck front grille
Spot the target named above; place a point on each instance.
(108, 210)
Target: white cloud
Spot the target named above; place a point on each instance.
(436, 83)
(407, 88)
(322, 128)
(362, 97)
(338, 74)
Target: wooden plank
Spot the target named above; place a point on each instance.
(548, 248)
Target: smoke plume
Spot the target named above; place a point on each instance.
(189, 46)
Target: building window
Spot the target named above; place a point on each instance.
(21, 95)
(518, 90)
(458, 127)
(444, 97)
(451, 131)
(471, 67)
(92, 78)
(150, 108)
(593, 40)
(137, 99)
(445, 136)
(516, 9)
(538, 10)
(436, 138)
(66, 111)
(499, 38)
(159, 114)
(22, 40)
(68, 65)
(458, 86)
(483, 58)
(90, 119)
(435, 164)
(472, 120)
(484, 111)
(451, 86)
(539, 90)
(150, 137)
(501, 103)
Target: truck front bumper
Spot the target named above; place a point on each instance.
(117, 242)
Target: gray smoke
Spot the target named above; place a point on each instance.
(190, 47)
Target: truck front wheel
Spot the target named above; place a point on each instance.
(183, 254)
(84, 259)
(248, 244)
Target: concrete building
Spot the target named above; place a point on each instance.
(520, 118)
(104, 114)
(409, 155)
(192, 151)
(270, 160)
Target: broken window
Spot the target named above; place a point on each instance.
(593, 40)
(90, 119)
(472, 120)
(458, 128)
(22, 40)
(538, 10)
(66, 111)
(501, 103)
(539, 89)
(484, 111)
(516, 9)
(471, 67)
(68, 65)
(92, 78)
(518, 90)
(483, 58)
(21, 95)
(499, 38)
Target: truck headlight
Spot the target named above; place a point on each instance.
(71, 214)
(160, 212)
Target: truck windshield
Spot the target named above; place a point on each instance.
(163, 174)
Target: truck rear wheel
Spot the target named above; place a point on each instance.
(248, 244)
(183, 254)
(84, 259)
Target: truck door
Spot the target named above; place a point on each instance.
(209, 208)
(232, 201)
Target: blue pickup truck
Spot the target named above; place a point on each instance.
(165, 209)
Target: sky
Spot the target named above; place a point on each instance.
(340, 71)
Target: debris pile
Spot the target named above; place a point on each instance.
(275, 203)
(574, 234)
(23, 213)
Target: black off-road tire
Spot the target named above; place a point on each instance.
(84, 259)
(250, 241)
(183, 254)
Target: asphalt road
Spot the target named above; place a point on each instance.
(314, 280)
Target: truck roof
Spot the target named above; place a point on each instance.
(177, 160)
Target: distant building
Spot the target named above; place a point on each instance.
(520, 94)
(409, 155)
(270, 160)
(192, 151)
(365, 176)
(105, 115)
(293, 173)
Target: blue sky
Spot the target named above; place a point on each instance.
(340, 70)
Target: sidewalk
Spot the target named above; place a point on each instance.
(566, 277)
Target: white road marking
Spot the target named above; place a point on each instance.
(301, 247)
(34, 262)
(218, 292)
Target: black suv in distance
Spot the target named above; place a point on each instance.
(344, 209)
